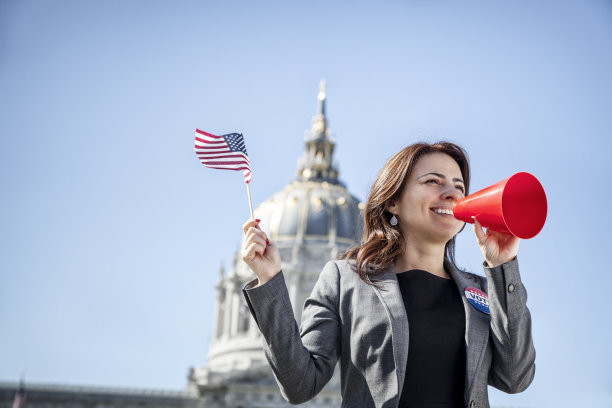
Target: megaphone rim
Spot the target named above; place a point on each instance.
(535, 184)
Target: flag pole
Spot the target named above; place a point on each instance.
(250, 201)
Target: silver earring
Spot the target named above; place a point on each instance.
(393, 220)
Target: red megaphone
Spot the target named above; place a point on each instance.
(516, 205)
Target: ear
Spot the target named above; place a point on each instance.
(392, 207)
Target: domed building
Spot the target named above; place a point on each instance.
(312, 220)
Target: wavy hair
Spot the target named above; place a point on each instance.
(381, 243)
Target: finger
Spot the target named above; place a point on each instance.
(504, 235)
(479, 231)
(253, 250)
(255, 236)
(250, 223)
(254, 231)
(499, 236)
(506, 240)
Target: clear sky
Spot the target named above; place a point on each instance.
(112, 232)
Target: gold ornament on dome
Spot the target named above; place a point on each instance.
(316, 203)
(292, 202)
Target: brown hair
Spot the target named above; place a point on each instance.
(381, 243)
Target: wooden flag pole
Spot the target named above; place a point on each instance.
(250, 201)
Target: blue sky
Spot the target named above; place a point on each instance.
(112, 232)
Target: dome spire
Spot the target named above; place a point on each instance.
(318, 129)
(322, 97)
(316, 164)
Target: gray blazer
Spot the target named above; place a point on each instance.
(366, 328)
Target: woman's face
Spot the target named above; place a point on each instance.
(424, 209)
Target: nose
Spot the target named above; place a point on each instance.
(450, 192)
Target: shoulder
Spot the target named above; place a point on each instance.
(337, 269)
(340, 273)
(343, 265)
(345, 268)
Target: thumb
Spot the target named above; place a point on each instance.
(481, 236)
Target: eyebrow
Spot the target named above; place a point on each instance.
(439, 175)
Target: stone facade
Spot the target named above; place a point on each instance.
(72, 396)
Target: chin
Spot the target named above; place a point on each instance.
(438, 237)
(448, 235)
(455, 229)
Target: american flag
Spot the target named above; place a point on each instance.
(223, 152)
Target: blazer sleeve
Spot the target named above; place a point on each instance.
(513, 365)
(302, 361)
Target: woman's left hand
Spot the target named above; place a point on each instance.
(497, 247)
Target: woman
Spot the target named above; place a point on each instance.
(408, 327)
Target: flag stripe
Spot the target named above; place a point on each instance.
(213, 154)
(227, 156)
(210, 156)
(208, 134)
(222, 147)
(214, 141)
(219, 160)
(226, 167)
(228, 163)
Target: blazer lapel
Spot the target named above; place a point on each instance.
(477, 325)
(390, 295)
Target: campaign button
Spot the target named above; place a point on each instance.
(478, 299)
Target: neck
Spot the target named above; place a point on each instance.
(427, 257)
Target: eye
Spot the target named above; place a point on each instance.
(460, 188)
(432, 181)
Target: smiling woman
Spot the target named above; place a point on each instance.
(408, 327)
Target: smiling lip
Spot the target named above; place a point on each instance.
(442, 211)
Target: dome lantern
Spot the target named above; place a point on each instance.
(316, 164)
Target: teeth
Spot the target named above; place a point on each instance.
(443, 211)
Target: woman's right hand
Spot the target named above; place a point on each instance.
(259, 253)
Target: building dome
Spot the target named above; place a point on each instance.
(311, 211)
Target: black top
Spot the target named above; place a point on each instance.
(435, 373)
